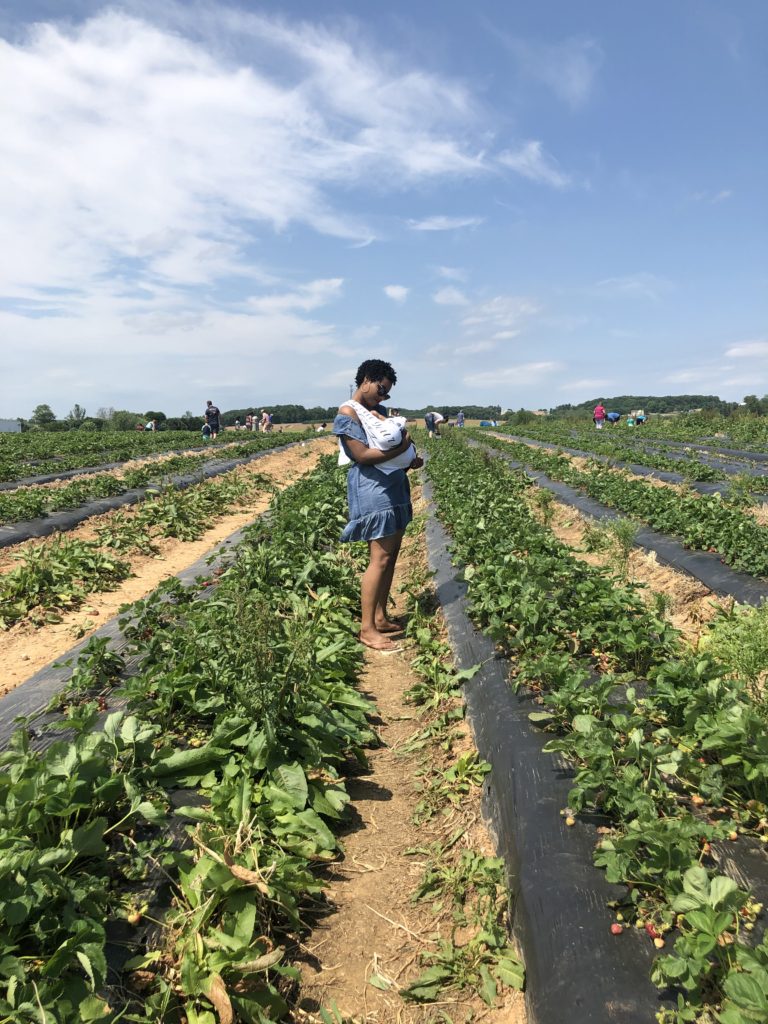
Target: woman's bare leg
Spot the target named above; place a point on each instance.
(375, 585)
(381, 618)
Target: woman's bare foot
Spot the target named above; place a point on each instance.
(378, 642)
(388, 626)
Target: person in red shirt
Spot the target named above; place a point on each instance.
(598, 415)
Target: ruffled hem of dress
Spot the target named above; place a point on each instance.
(378, 524)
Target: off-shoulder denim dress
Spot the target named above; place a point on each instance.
(379, 503)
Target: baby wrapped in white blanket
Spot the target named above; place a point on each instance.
(382, 433)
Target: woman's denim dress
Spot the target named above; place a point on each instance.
(379, 503)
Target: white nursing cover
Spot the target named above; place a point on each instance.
(381, 435)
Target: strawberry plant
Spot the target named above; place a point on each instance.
(668, 745)
(705, 522)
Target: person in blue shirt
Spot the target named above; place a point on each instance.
(613, 417)
(379, 502)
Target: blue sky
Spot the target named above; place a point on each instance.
(515, 204)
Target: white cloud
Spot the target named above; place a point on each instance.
(643, 285)
(452, 273)
(396, 292)
(712, 197)
(366, 332)
(339, 378)
(443, 223)
(568, 68)
(587, 384)
(748, 350)
(146, 159)
(530, 162)
(522, 374)
(501, 315)
(505, 335)
(450, 296)
(307, 297)
(474, 347)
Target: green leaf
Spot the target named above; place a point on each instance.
(746, 991)
(92, 1008)
(88, 840)
(488, 987)
(186, 762)
(85, 963)
(511, 972)
(378, 982)
(720, 888)
(584, 723)
(428, 985)
(696, 884)
(291, 779)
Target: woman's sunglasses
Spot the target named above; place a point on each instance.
(382, 391)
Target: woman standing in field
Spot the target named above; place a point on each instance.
(379, 501)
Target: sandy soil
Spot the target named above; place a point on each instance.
(758, 512)
(24, 648)
(374, 928)
(692, 604)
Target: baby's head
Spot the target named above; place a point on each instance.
(391, 431)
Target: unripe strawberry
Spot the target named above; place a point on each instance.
(658, 942)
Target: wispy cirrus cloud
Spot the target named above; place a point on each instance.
(501, 315)
(396, 292)
(568, 68)
(531, 162)
(444, 223)
(642, 285)
(522, 374)
(586, 384)
(306, 297)
(748, 350)
(452, 273)
(156, 148)
(711, 197)
(450, 296)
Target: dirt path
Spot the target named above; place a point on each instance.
(26, 648)
(374, 929)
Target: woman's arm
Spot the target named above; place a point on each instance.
(361, 453)
(366, 456)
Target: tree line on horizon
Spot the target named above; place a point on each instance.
(664, 404)
(107, 418)
(44, 418)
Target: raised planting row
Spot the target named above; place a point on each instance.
(36, 454)
(244, 710)
(58, 574)
(27, 503)
(745, 432)
(606, 443)
(709, 522)
(668, 746)
(33, 502)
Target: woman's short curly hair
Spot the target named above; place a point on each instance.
(375, 370)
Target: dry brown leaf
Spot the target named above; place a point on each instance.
(249, 878)
(216, 992)
(261, 963)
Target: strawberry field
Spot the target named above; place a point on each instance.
(166, 823)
